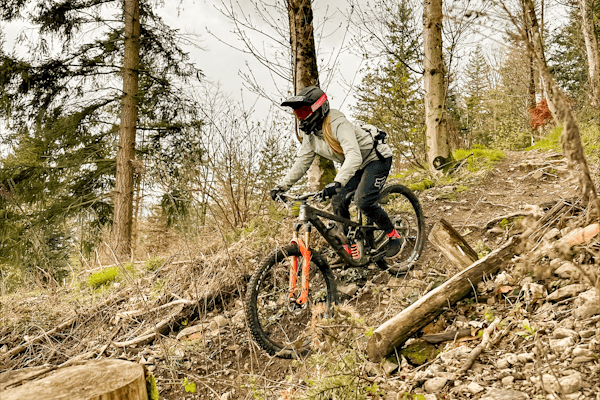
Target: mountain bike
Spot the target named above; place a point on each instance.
(284, 290)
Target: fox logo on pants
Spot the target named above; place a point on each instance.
(379, 182)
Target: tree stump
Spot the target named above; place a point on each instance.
(452, 245)
(92, 380)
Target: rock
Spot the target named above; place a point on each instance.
(568, 270)
(502, 363)
(191, 332)
(474, 387)
(581, 235)
(526, 357)
(349, 290)
(505, 394)
(569, 384)
(512, 358)
(221, 320)
(538, 175)
(428, 396)
(534, 291)
(373, 369)
(561, 333)
(573, 396)
(435, 385)
(562, 346)
(580, 351)
(588, 304)
(583, 359)
(239, 319)
(457, 353)
(566, 292)
(587, 333)
(508, 380)
(389, 367)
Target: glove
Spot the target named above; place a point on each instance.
(331, 189)
(275, 192)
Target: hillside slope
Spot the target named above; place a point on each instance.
(546, 338)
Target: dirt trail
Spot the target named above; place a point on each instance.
(224, 363)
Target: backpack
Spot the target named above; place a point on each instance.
(378, 137)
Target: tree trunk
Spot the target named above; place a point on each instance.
(435, 94)
(93, 380)
(122, 223)
(592, 51)
(394, 332)
(570, 139)
(306, 73)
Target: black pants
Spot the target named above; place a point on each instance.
(367, 182)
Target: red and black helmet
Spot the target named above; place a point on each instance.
(310, 106)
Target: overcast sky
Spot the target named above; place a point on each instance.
(222, 63)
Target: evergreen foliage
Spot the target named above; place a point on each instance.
(390, 95)
(61, 104)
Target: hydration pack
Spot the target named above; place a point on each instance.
(378, 137)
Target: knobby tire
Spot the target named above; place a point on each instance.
(404, 209)
(278, 325)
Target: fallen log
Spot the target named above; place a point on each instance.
(396, 331)
(92, 380)
(452, 245)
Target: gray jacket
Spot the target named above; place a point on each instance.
(356, 143)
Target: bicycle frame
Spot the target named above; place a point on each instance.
(309, 217)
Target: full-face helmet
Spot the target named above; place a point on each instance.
(311, 107)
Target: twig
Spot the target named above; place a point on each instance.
(479, 349)
(136, 313)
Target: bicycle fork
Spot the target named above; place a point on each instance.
(304, 250)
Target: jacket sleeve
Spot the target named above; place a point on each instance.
(344, 133)
(303, 161)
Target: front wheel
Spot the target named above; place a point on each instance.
(403, 208)
(278, 324)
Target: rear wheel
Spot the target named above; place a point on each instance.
(278, 324)
(403, 208)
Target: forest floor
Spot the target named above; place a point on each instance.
(546, 345)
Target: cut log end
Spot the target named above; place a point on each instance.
(93, 380)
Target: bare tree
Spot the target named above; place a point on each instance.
(123, 217)
(592, 50)
(570, 139)
(306, 73)
(435, 89)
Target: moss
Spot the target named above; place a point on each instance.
(151, 387)
(421, 186)
(419, 352)
(103, 277)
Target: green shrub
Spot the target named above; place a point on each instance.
(103, 277)
(550, 142)
(482, 158)
(154, 263)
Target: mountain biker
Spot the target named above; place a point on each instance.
(365, 162)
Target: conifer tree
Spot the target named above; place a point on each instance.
(475, 95)
(61, 103)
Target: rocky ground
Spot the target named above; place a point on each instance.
(537, 322)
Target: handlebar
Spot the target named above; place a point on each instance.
(284, 197)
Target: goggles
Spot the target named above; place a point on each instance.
(306, 111)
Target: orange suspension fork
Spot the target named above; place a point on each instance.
(304, 250)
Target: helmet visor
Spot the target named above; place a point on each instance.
(306, 111)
